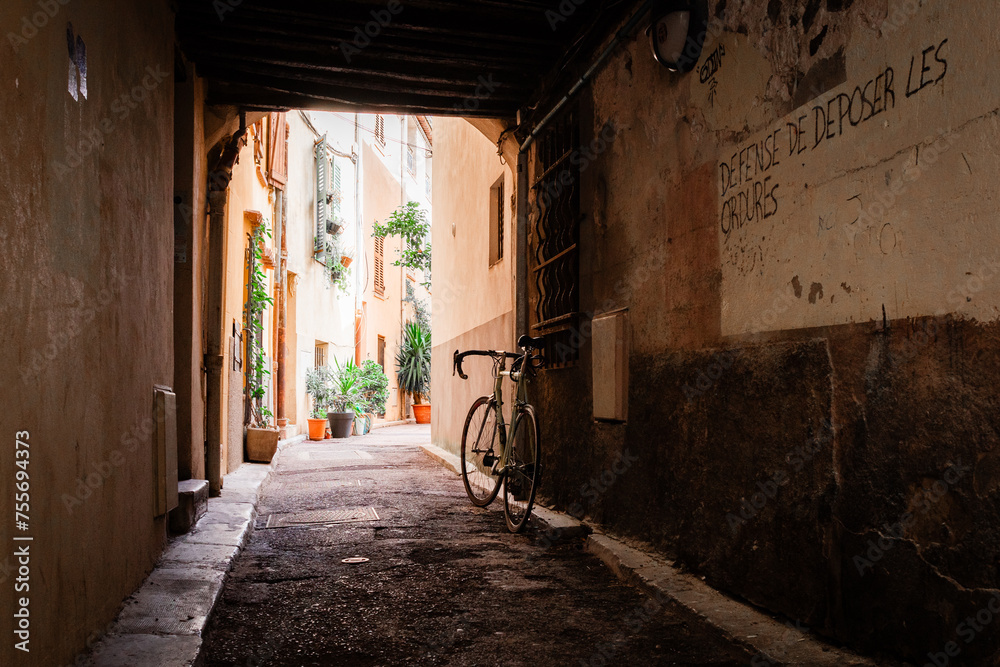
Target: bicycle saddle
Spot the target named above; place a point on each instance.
(527, 341)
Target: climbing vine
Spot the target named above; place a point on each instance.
(258, 299)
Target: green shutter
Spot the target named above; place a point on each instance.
(322, 197)
(336, 187)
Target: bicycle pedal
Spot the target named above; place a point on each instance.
(489, 460)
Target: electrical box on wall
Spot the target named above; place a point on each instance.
(164, 450)
(610, 365)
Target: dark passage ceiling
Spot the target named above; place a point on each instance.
(471, 58)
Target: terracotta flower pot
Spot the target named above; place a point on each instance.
(317, 428)
(262, 443)
(346, 261)
(422, 413)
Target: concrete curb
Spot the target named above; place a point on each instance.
(775, 643)
(161, 624)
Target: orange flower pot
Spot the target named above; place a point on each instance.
(317, 428)
(422, 413)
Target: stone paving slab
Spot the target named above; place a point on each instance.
(161, 624)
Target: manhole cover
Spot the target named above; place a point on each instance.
(322, 517)
(355, 559)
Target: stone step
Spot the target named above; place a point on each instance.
(192, 496)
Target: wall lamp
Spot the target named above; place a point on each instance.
(674, 34)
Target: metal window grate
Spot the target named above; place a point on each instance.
(554, 240)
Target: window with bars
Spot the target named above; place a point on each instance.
(380, 129)
(320, 355)
(380, 265)
(554, 268)
(496, 221)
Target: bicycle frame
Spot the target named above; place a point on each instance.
(507, 432)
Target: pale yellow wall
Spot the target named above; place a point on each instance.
(247, 192)
(85, 310)
(467, 290)
(473, 301)
(381, 196)
(322, 312)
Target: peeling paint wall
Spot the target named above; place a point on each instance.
(802, 230)
(86, 169)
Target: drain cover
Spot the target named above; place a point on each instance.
(355, 559)
(322, 517)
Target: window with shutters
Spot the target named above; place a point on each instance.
(324, 197)
(380, 265)
(553, 257)
(496, 222)
(277, 150)
(379, 130)
(381, 352)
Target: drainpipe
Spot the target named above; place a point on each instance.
(218, 195)
(402, 270)
(521, 268)
(359, 242)
(280, 277)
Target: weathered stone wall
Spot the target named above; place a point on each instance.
(85, 312)
(802, 232)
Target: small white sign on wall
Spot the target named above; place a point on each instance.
(610, 366)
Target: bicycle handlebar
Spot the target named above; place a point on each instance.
(495, 354)
(459, 357)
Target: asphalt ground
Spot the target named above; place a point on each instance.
(445, 583)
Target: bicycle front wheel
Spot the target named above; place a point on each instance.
(481, 452)
(524, 471)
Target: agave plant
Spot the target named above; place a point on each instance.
(345, 393)
(413, 361)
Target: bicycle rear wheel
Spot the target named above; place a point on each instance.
(524, 471)
(480, 452)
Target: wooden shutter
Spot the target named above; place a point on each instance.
(277, 150)
(380, 265)
(322, 197)
(336, 188)
(380, 129)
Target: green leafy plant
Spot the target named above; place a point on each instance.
(410, 223)
(421, 314)
(339, 274)
(374, 387)
(258, 299)
(319, 381)
(345, 391)
(413, 362)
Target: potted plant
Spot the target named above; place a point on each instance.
(346, 257)
(374, 388)
(345, 395)
(413, 369)
(318, 381)
(261, 436)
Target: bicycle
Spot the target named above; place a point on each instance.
(487, 460)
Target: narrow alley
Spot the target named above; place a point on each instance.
(445, 583)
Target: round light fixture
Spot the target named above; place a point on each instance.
(671, 35)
